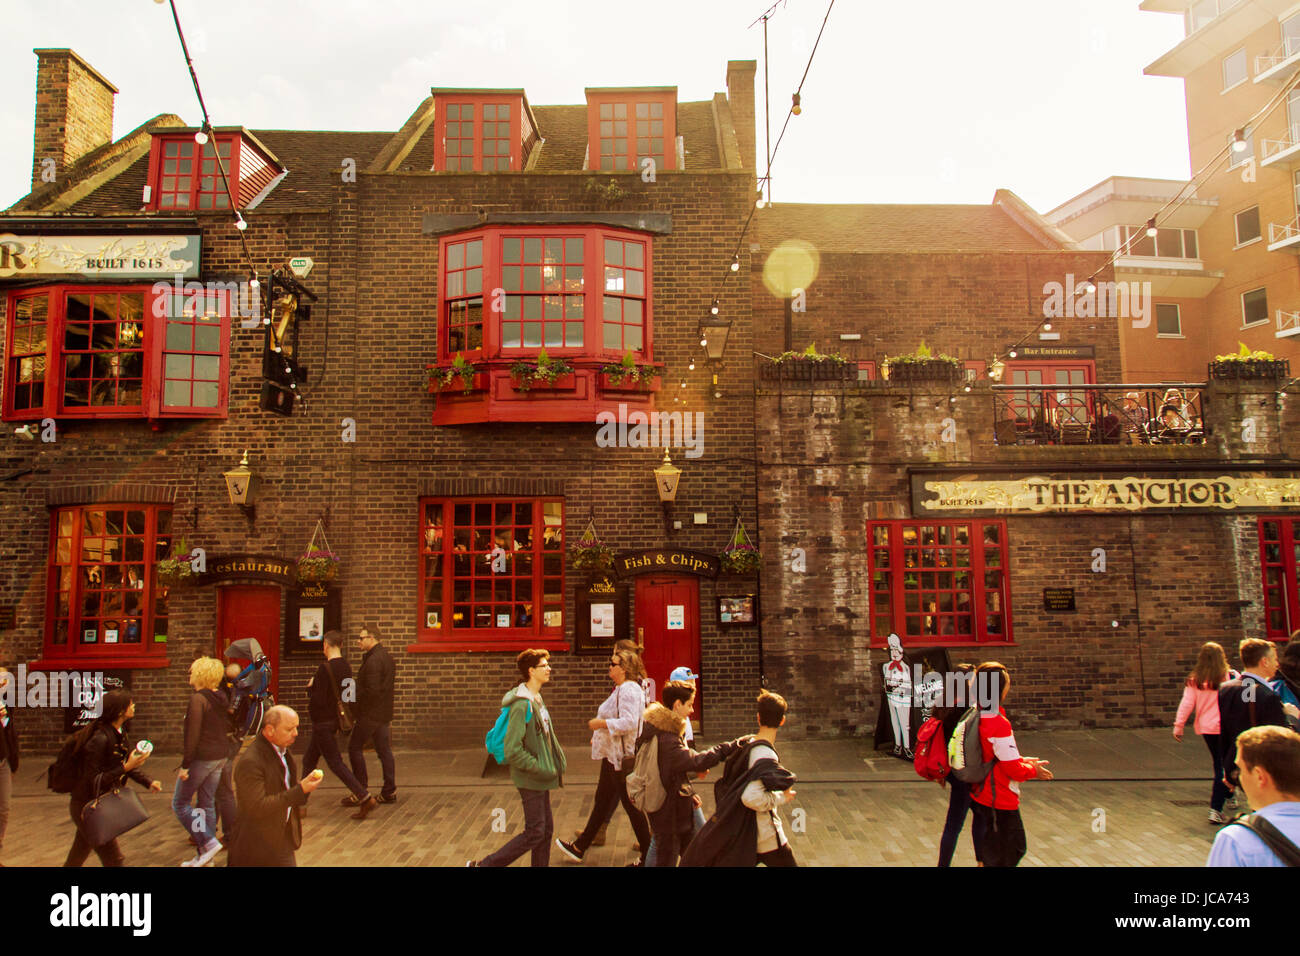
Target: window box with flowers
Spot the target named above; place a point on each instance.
(460, 376)
(809, 366)
(630, 376)
(546, 372)
(922, 366)
(1245, 364)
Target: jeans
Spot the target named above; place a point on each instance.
(6, 790)
(227, 809)
(324, 743)
(383, 737)
(539, 827)
(959, 803)
(611, 790)
(203, 779)
(1219, 792)
(652, 854)
(1000, 840)
(110, 854)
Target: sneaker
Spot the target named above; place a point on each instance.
(570, 851)
(204, 855)
(1216, 817)
(471, 862)
(387, 798)
(351, 800)
(364, 808)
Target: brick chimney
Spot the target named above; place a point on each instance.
(740, 96)
(74, 112)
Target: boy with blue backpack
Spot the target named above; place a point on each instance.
(524, 737)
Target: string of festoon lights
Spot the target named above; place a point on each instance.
(202, 138)
(733, 267)
(1238, 144)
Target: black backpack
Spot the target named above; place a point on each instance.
(64, 774)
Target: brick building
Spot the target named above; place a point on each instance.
(485, 230)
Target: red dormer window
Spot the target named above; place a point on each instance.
(627, 126)
(184, 174)
(482, 130)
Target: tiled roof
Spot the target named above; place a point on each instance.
(894, 228)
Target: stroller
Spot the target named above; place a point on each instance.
(252, 688)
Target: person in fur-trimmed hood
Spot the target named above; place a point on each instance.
(673, 823)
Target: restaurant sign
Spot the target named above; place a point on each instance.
(101, 256)
(1073, 494)
(667, 561)
(256, 567)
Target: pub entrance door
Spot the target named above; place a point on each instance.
(250, 610)
(668, 627)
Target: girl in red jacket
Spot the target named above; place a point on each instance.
(997, 799)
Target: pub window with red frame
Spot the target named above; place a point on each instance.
(1279, 553)
(102, 601)
(483, 131)
(583, 292)
(626, 126)
(185, 175)
(491, 572)
(116, 352)
(939, 582)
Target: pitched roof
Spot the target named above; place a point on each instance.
(895, 228)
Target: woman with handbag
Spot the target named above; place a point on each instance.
(204, 758)
(106, 758)
(615, 728)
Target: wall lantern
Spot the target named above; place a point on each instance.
(240, 482)
(713, 337)
(997, 370)
(667, 475)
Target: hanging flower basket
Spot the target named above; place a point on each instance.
(589, 554)
(176, 570)
(740, 556)
(318, 564)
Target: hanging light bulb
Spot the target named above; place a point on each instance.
(683, 383)
(735, 263)
(1239, 141)
(201, 137)
(691, 366)
(966, 387)
(704, 342)
(797, 108)
(1086, 287)
(253, 283)
(713, 309)
(240, 224)
(1047, 326)
(1151, 228)
(760, 202)
(1012, 354)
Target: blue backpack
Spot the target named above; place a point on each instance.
(495, 741)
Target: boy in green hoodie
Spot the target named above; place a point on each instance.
(536, 762)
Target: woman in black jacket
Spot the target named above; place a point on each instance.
(106, 757)
(207, 723)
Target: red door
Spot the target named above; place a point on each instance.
(668, 627)
(250, 611)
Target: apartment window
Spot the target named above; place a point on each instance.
(939, 582)
(102, 603)
(1247, 222)
(1166, 244)
(1254, 307)
(1279, 545)
(547, 301)
(1234, 69)
(1168, 321)
(491, 573)
(116, 352)
(1200, 13)
(1291, 34)
(1247, 155)
(628, 126)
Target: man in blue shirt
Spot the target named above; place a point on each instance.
(1269, 761)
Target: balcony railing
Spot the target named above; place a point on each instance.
(1267, 65)
(1274, 150)
(1098, 414)
(1281, 237)
(1288, 324)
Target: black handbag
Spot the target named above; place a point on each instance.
(110, 815)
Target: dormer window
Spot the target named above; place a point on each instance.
(482, 130)
(626, 126)
(184, 174)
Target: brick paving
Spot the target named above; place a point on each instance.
(858, 809)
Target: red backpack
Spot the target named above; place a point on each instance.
(931, 751)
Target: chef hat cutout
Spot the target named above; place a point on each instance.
(894, 642)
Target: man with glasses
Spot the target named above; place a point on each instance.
(374, 709)
(536, 762)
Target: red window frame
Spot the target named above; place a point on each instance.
(1023, 403)
(155, 337)
(461, 572)
(462, 289)
(198, 186)
(490, 144)
(100, 556)
(498, 292)
(892, 560)
(621, 130)
(1279, 558)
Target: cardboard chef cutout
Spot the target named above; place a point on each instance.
(898, 697)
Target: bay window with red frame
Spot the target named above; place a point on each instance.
(103, 606)
(100, 351)
(491, 574)
(1279, 553)
(939, 582)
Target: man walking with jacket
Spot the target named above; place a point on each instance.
(374, 714)
(536, 762)
(1248, 701)
(324, 698)
(270, 795)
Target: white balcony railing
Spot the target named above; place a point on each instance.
(1280, 237)
(1266, 63)
(1272, 150)
(1288, 324)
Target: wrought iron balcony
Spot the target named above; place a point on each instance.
(1159, 414)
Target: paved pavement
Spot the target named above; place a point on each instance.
(1121, 798)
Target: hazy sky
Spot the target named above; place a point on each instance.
(936, 102)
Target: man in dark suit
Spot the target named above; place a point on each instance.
(374, 708)
(269, 795)
(8, 749)
(1248, 701)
